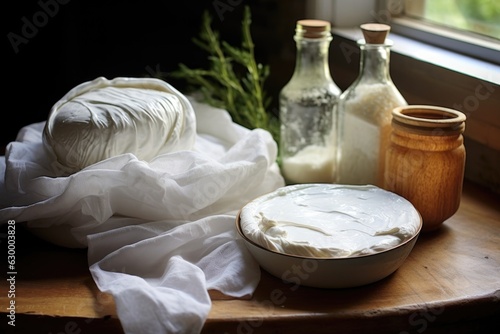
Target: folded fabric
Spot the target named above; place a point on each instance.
(160, 234)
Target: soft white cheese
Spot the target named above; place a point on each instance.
(329, 220)
(105, 118)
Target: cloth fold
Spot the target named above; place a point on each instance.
(160, 234)
(176, 267)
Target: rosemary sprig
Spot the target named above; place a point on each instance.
(234, 80)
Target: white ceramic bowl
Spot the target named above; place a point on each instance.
(330, 272)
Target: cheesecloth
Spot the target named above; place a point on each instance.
(159, 234)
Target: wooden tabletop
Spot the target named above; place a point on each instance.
(450, 283)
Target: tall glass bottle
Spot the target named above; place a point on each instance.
(365, 111)
(307, 101)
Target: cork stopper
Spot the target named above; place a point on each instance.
(310, 28)
(375, 33)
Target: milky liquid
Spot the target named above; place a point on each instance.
(308, 146)
(311, 164)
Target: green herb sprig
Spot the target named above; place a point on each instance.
(234, 80)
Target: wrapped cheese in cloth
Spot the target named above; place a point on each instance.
(104, 118)
(150, 182)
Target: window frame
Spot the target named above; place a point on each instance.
(462, 42)
(472, 57)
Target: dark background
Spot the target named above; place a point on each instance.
(61, 44)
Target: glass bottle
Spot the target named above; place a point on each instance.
(365, 111)
(425, 161)
(306, 102)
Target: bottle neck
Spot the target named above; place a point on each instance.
(374, 62)
(312, 57)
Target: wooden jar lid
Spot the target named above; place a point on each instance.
(375, 33)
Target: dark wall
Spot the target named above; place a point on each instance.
(54, 45)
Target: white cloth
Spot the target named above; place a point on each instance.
(160, 234)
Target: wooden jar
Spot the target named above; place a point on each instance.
(425, 160)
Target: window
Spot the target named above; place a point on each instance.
(422, 21)
(469, 27)
(481, 17)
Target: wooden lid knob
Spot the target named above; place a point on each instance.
(375, 33)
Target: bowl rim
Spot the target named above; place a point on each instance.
(303, 257)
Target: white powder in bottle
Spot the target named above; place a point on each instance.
(313, 163)
(366, 132)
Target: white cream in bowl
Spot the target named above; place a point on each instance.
(329, 220)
